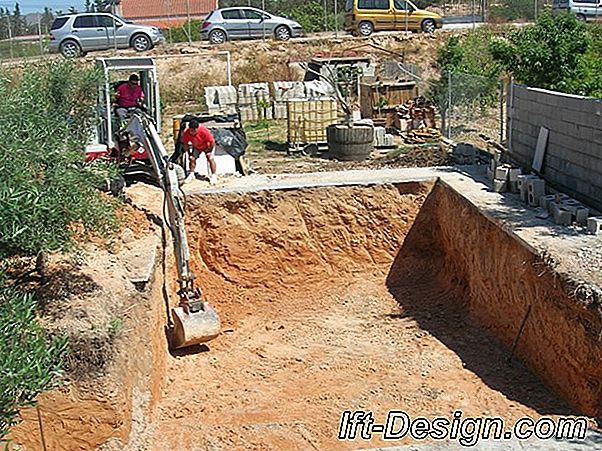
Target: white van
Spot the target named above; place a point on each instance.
(585, 10)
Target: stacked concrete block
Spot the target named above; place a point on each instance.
(500, 178)
(513, 174)
(319, 89)
(382, 138)
(221, 99)
(254, 101)
(503, 176)
(536, 188)
(565, 210)
(594, 225)
(283, 91)
(561, 215)
(531, 188)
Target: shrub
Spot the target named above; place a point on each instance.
(545, 55)
(47, 194)
(31, 362)
(180, 34)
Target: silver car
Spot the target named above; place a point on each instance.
(76, 34)
(224, 24)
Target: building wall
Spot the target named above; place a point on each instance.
(573, 158)
(166, 12)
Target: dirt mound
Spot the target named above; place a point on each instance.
(274, 239)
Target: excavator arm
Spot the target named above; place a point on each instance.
(194, 320)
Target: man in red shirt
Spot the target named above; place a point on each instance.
(129, 95)
(197, 139)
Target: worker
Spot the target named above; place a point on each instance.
(129, 95)
(196, 139)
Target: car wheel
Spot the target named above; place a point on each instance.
(71, 49)
(581, 17)
(217, 37)
(428, 26)
(282, 33)
(141, 42)
(365, 28)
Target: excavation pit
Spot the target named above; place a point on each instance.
(368, 296)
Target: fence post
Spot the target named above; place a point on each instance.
(449, 103)
(10, 37)
(510, 114)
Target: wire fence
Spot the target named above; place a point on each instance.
(471, 107)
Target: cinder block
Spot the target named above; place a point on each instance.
(535, 188)
(522, 185)
(581, 215)
(571, 205)
(594, 225)
(513, 174)
(501, 173)
(544, 201)
(513, 187)
(561, 216)
(499, 186)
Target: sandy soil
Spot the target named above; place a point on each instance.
(316, 323)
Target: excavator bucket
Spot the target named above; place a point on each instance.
(199, 325)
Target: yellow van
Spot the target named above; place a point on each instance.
(362, 17)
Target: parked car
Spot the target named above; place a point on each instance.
(225, 24)
(76, 34)
(363, 17)
(585, 10)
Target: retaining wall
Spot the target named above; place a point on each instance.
(573, 158)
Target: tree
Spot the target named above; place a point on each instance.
(19, 25)
(72, 10)
(31, 362)
(46, 20)
(48, 197)
(547, 54)
(88, 6)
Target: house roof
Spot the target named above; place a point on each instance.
(166, 9)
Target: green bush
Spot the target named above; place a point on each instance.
(180, 34)
(547, 54)
(48, 196)
(31, 362)
(310, 16)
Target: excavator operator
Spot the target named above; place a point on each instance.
(128, 95)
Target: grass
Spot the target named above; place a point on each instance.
(22, 49)
(265, 134)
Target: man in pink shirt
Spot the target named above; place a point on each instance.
(129, 95)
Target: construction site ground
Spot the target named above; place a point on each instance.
(322, 311)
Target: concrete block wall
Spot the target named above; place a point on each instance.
(573, 158)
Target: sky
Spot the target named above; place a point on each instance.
(32, 6)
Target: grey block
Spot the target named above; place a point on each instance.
(535, 188)
(581, 215)
(501, 173)
(594, 225)
(513, 174)
(513, 186)
(544, 201)
(499, 186)
(560, 215)
(522, 185)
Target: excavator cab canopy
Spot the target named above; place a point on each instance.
(116, 71)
